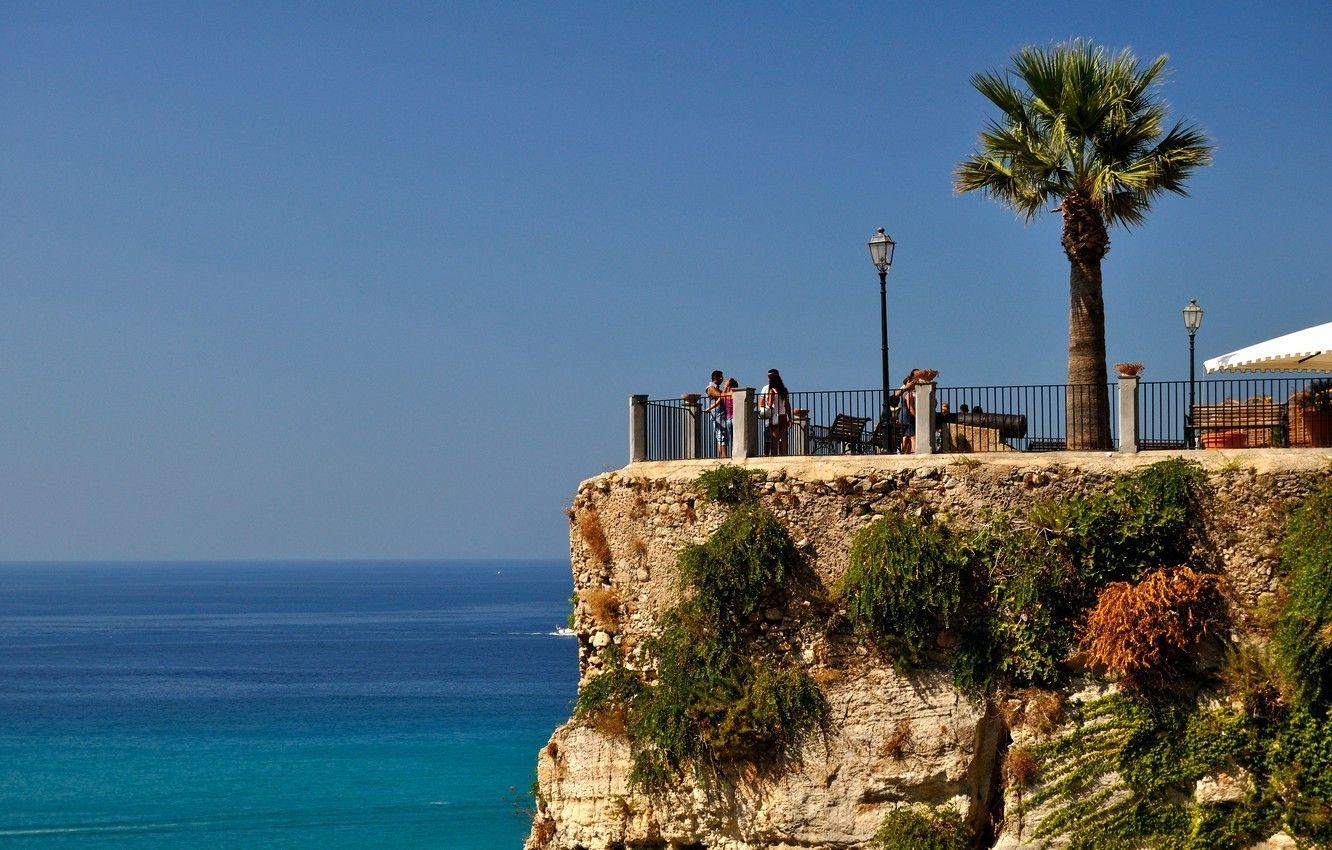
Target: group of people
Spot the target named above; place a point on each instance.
(774, 408)
(905, 404)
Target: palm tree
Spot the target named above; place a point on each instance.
(1086, 131)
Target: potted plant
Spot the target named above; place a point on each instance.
(1128, 370)
(1313, 408)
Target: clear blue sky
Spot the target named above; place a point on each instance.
(339, 280)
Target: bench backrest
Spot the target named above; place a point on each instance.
(847, 428)
(1252, 414)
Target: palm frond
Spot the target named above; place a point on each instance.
(1074, 118)
(996, 180)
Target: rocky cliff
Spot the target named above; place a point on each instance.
(893, 732)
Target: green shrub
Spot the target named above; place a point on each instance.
(749, 555)
(605, 701)
(904, 583)
(1301, 765)
(1149, 513)
(712, 702)
(1303, 639)
(1142, 523)
(728, 484)
(713, 705)
(909, 828)
(1035, 598)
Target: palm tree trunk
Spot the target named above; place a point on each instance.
(1087, 405)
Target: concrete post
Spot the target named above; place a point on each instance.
(1128, 414)
(744, 442)
(638, 448)
(925, 418)
(689, 426)
(799, 437)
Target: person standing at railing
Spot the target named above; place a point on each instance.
(906, 410)
(723, 413)
(716, 394)
(777, 400)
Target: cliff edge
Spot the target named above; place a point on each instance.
(754, 674)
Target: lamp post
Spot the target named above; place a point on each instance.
(1193, 315)
(881, 248)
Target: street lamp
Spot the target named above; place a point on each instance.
(1192, 321)
(881, 248)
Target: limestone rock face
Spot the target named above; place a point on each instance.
(1223, 786)
(890, 739)
(893, 740)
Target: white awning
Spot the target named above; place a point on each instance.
(1309, 350)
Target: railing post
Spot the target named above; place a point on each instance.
(799, 431)
(925, 418)
(638, 443)
(744, 442)
(1128, 414)
(689, 421)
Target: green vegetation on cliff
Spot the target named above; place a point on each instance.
(904, 583)
(1015, 589)
(910, 828)
(1303, 640)
(1126, 775)
(712, 701)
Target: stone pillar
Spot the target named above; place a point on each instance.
(925, 418)
(638, 448)
(1128, 414)
(689, 426)
(744, 442)
(798, 440)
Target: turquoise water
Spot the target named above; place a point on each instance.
(343, 705)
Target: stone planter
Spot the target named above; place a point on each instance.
(1237, 439)
(1318, 423)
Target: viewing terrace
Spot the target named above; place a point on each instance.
(1144, 416)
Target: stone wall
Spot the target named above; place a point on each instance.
(892, 738)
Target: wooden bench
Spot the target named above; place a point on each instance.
(845, 436)
(886, 438)
(1235, 425)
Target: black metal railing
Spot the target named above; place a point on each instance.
(665, 429)
(1031, 418)
(1226, 412)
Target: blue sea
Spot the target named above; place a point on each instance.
(278, 705)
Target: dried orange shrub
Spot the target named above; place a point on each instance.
(1138, 632)
(1020, 767)
(604, 605)
(1044, 710)
(896, 745)
(639, 549)
(543, 831)
(594, 535)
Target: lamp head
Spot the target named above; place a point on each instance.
(1193, 315)
(881, 247)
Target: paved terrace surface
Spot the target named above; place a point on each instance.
(829, 467)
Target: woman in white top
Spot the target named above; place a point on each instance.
(777, 399)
